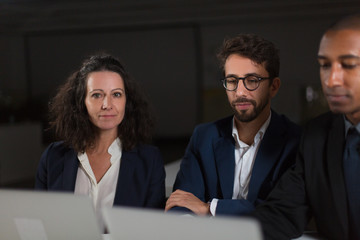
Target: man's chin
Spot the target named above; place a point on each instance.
(245, 117)
(339, 109)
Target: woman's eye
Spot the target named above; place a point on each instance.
(117, 94)
(96, 95)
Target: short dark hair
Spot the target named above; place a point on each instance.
(69, 117)
(254, 47)
(347, 22)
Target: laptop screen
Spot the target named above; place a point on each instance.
(140, 224)
(26, 215)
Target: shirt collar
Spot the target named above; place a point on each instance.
(349, 125)
(115, 150)
(259, 135)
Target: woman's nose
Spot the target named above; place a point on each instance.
(106, 103)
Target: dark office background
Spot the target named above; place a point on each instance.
(168, 46)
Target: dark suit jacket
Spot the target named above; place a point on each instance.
(315, 187)
(141, 181)
(207, 169)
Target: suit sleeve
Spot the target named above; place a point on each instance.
(234, 207)
(285, 212)
(156, 191)
(190, 176)
(41, 174)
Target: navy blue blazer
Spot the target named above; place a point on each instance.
(141, 181)
(208, 166)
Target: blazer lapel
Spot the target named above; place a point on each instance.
(71, 164)
(335, 149)
(267, 156)
(225, 162)
(126, 172)
(224, 150)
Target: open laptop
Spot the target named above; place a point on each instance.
(29, 215)
(139, 224)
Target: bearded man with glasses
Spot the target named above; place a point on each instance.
(231, 165)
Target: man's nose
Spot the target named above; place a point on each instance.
(335, 77)
(241, 89)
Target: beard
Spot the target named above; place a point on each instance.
(245, 115)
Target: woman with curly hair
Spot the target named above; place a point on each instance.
(104, 124)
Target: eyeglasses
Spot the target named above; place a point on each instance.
(251, 82)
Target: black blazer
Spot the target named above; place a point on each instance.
(315, 187)
(141, 181)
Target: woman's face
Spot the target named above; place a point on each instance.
(105, 100)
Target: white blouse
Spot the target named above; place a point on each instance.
(102, 193)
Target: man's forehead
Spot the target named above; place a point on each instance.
(340, 44)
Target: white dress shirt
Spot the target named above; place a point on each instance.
(244, 161)
(103, 192)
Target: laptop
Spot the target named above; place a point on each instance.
(29, 215)
(139, 224)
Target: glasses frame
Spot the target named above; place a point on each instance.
(243, 79)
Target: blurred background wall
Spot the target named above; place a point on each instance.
(168, 46)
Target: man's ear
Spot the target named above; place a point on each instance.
(275, 85)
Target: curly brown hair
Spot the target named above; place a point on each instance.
(254, 47)
(69, 117)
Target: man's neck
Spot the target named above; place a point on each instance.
(248, 130)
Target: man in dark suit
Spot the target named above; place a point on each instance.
(231, 165)
(325, 182)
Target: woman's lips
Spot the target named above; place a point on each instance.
(107, 116)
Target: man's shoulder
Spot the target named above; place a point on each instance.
(220, 125)
(318, 129)
(285, 123)
(323, 121)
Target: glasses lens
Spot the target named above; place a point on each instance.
(251, 82)
(230, 83)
